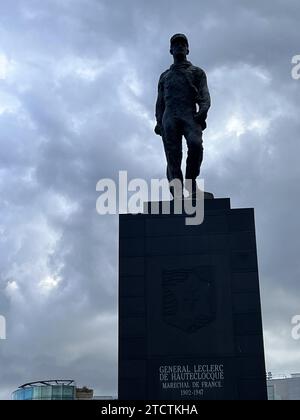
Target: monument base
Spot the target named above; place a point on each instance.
(189, 307)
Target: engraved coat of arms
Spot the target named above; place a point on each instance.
(189, 301)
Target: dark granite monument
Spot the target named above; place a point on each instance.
(189, 304)
(189, 307)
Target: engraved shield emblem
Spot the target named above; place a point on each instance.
(189, 301)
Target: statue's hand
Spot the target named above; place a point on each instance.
(198, 117)
(158, 130)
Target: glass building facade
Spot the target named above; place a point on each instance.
(52, 390)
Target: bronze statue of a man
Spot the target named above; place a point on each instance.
(181, 110)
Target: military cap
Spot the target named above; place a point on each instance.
(179, 36)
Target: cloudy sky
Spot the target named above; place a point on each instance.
(78, 82)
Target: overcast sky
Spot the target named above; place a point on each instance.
(78, 81)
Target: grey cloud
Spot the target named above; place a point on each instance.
(84, 76)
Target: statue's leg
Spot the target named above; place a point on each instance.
(172, 139)
(193, 136)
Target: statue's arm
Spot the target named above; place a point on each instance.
(203, 98)
(160, 107)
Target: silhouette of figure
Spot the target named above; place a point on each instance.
(181, 110)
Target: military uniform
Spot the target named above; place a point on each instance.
(179, 90)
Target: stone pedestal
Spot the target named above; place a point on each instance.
(189, 307)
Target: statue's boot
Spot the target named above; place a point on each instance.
(194, 190)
